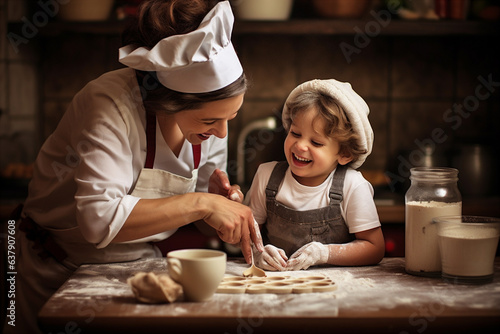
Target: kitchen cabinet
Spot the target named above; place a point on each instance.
(395, 214)
(369, 27)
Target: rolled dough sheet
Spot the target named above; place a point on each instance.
(276, 284)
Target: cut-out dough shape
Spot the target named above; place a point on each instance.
(323, 286)
(277, 278)
(232, 287)
(304, 288)
(279, 288)
(314, 278)
(279, 283)
(234, 279)
(276, 284)
(257, 281)
(256, 289)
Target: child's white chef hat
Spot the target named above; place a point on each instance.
(200, 61)
(355, 107)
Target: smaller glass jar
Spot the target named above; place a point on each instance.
(433, 193)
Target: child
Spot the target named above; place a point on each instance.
(315, 208)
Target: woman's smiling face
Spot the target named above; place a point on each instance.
(198, 125)
(311, 154)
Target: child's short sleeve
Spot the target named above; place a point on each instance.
(359, 207)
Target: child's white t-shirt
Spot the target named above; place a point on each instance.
(358, 208)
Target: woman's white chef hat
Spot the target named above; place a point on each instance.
(355, 107)
(200, 61)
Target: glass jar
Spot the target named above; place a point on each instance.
(433, 192)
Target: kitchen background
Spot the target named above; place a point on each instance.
(419, 77)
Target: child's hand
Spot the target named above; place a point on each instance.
(311, 254)
(272, 258)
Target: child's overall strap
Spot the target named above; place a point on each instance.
(337, 187)
(275, 179)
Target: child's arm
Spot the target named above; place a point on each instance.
(367, 249)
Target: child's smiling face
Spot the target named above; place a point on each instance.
(311, 154)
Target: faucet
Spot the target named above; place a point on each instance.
(268, 123)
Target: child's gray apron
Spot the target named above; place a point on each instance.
(290, 229)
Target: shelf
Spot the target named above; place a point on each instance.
(369, 27)
(486, 206)
(372, 27)
(58, 27)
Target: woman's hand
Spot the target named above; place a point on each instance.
(234, 223)
(219, 184)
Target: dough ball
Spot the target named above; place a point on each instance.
(152, 288)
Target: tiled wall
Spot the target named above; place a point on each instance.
(408, 82)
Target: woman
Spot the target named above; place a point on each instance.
(136, 152)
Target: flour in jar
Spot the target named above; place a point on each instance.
(421, 242)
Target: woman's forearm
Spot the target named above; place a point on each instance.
(152, 216)
(232, 221)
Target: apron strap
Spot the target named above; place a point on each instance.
(41, 237)
(337, 187)
(196, 155)
(275, 179)
(151, 143)
(150, 139)
(43, 240)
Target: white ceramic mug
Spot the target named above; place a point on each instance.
(199, 271)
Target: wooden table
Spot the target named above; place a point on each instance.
(373, 299)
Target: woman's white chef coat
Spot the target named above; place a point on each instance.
(87, 168)
(85, 174)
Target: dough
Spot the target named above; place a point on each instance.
(276, 284)
(152, 288)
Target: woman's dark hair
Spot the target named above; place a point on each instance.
(158, 98)
(156, 20)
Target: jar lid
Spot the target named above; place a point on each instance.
(434, 174)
